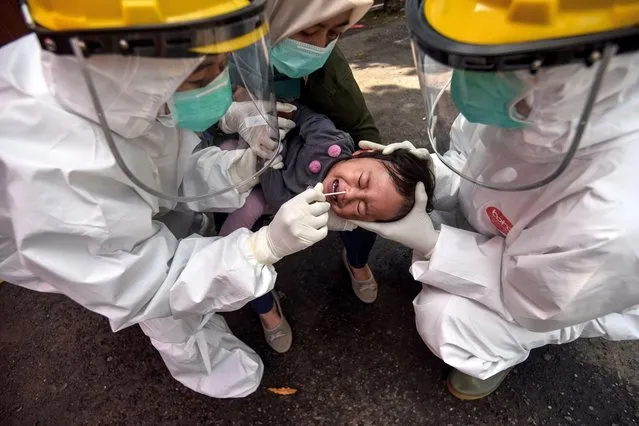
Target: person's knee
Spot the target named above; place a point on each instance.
(466, 335)
(433, 315)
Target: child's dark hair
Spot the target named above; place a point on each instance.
(406, 170)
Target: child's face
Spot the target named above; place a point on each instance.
(370, 192)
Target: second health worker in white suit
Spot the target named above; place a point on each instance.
(533, 116)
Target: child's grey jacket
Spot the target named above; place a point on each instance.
(311, 149)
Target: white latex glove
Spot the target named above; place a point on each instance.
(243, 168)
(336, 223)
(415, 230)
(298, 224)
(389, 149)
(247, 119)
(278, 163)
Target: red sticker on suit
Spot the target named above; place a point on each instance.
(498, 219)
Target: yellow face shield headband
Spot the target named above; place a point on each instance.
(226, 33)
(510, 49)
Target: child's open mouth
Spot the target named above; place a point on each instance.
(332, 192)
(335, 188)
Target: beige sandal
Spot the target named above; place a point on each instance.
(365, 290)
(280, 337)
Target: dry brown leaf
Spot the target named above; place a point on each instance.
(283, 391)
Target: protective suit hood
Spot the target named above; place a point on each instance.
(557, 96)
(287, 17)
(131, 88)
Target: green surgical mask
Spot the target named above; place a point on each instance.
(296, 59)
(199, 109)
(487, 97)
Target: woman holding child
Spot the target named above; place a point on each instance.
(312, 71)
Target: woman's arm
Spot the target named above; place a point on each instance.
(333, 91)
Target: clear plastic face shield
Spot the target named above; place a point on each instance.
(199, 69)
(511, 115)
(507, 130)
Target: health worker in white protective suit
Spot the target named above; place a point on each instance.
(98, 115)
(532, 113)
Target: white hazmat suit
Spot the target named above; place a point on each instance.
(72, 223)
(544, 266)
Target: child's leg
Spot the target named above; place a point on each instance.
(263, 304)
(229, 145)
(358, 244)
(247, 215)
